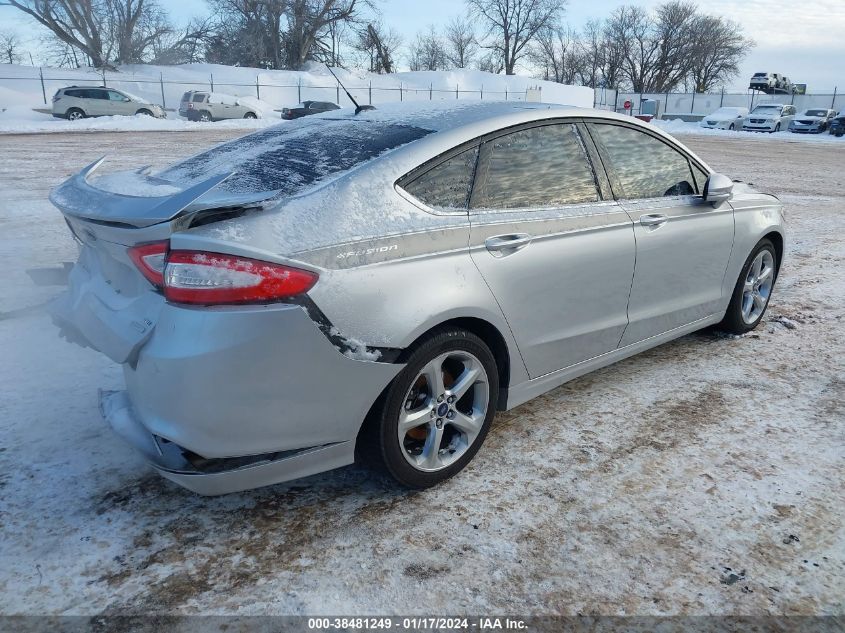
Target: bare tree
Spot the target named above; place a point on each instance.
(10, 47)
(461, 43)
(556, 52)
(379, 47)
(513, 24)
(491, 62)
(183, 47)
(121, 31)
(308, 21)
(656, 50)
(719, 46)
(427, 52)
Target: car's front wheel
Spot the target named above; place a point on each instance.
(753, 290)
(74, 114)
(777, 128)
(250, 115)
(434, 416)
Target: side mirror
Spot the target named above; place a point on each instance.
(718, 189)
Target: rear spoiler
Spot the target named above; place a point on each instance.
(78, 198)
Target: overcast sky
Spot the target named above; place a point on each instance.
(804, 41)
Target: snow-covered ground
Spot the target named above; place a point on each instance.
(703, 477)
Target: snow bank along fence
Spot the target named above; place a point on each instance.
(168, 92)
(694, 106)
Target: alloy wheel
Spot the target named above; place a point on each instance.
(758, 286)
(443, 411)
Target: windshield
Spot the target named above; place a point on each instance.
(289, 158)
(767, 109)
(815, 113)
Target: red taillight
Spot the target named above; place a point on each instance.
(150, 259)
(214, 278)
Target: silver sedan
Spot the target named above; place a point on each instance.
(377, 285)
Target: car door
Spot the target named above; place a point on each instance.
(683, 243)
(553, 246)
(121, 104)
(96, 102)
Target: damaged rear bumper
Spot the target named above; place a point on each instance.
(220, 475)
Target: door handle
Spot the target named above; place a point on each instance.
(653, 219)
(513, 242)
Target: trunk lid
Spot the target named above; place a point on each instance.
(109, 305)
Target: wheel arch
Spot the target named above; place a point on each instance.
(776, 239)
(491, 336)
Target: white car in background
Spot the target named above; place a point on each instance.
(727, 118)
(769, 117)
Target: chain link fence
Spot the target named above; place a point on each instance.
(692, 106)
(167, 92)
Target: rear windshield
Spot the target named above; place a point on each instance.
(291, 157)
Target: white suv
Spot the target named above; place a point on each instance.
(78, 102)
(769, 117)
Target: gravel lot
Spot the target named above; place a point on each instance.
(703, 477)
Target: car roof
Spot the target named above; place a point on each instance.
(445, 116)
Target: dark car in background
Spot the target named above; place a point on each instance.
(308, 107)
(837, 124)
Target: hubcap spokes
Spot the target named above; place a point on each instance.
(443, 411)
(758, 286)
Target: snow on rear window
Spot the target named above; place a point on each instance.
(289, 158)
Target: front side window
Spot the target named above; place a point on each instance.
(644, 166)
(116, 96)
(446, 186)
(544, 166)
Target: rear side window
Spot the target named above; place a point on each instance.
(73, 93)
(644, 166)
(199, 98)
(544, 166)
(289, 158)
(448, 184)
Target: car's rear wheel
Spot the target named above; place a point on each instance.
(436, 413)
(74, 114)
(753, 290)
(250, 115)
(144, 112)
(205, 116)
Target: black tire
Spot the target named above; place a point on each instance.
(839, 134)
(378, 442)
(144, 112)
(205, 116)
(777, 128)
(732, 127)
(733, 321)
(250, 115)
(74, 114)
